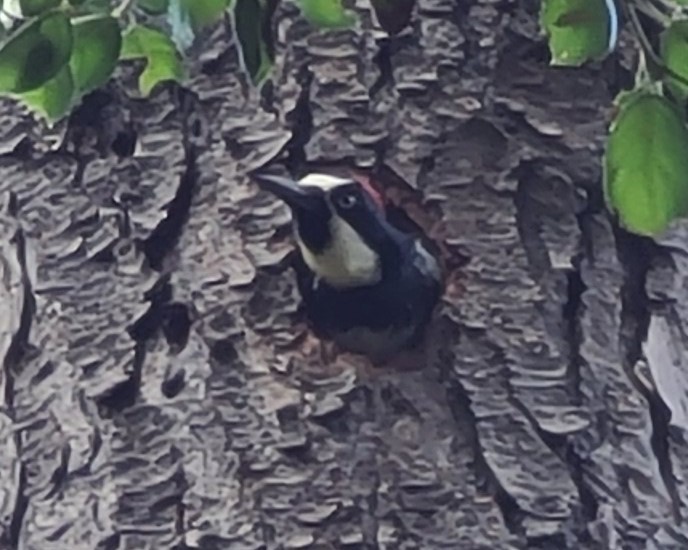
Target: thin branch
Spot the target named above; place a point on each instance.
(647, 47)
(642, 73)
(123, 6)
(669, 5)
(651, 11)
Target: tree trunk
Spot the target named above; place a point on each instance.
(161, 390)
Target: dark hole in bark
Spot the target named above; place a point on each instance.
(124, 143)
(121, 396)
(288, 418)
(176, 323)
(110, 543)
(224, 352)
(174, 384)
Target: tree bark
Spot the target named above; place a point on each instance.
(160, 387)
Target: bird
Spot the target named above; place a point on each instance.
(365, 284)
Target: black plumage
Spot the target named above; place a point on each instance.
(379, 319)
(379, 311)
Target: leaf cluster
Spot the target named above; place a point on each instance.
(646, 157)
(53, 52)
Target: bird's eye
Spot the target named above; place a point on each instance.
(347, 201)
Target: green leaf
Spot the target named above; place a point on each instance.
(162, 59)
(29, 8)
(646, 164)
(578, 30)
(327, 13)
(249, 21)
(155, 7)
(54, 98)
(393, 15)
(674, 51)
(35, 52)
(204, 13)
(188, 17)
(91, 7)
(97, 44)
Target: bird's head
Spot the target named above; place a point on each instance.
(340, 226)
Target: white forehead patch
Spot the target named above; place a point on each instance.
(323, 181)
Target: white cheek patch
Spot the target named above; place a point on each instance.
(347, 261)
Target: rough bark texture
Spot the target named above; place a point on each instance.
(160, 390)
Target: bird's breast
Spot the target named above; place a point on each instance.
(377, 319)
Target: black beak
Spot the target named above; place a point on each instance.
(290, 192)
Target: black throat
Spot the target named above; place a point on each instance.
(313, 228)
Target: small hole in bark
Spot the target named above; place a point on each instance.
(214, 66)
(124, 143)
(122, 249)
(145, 326)
(176, 324)
(288, 418)
(538, 52)
(545, 542)
(43, 373)
(110, 543)
(23, 149)
(174, 384)
(91, 106)
(195, 125)
(105, 256)
(234, 382)
(224, 352)
(267, 97)
(121, 396)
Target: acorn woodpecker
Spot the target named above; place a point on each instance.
(366, 285)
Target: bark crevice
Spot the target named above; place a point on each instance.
(486, 480)
(165, 236)
(300, 122)
(18, 347)
(636, 254)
